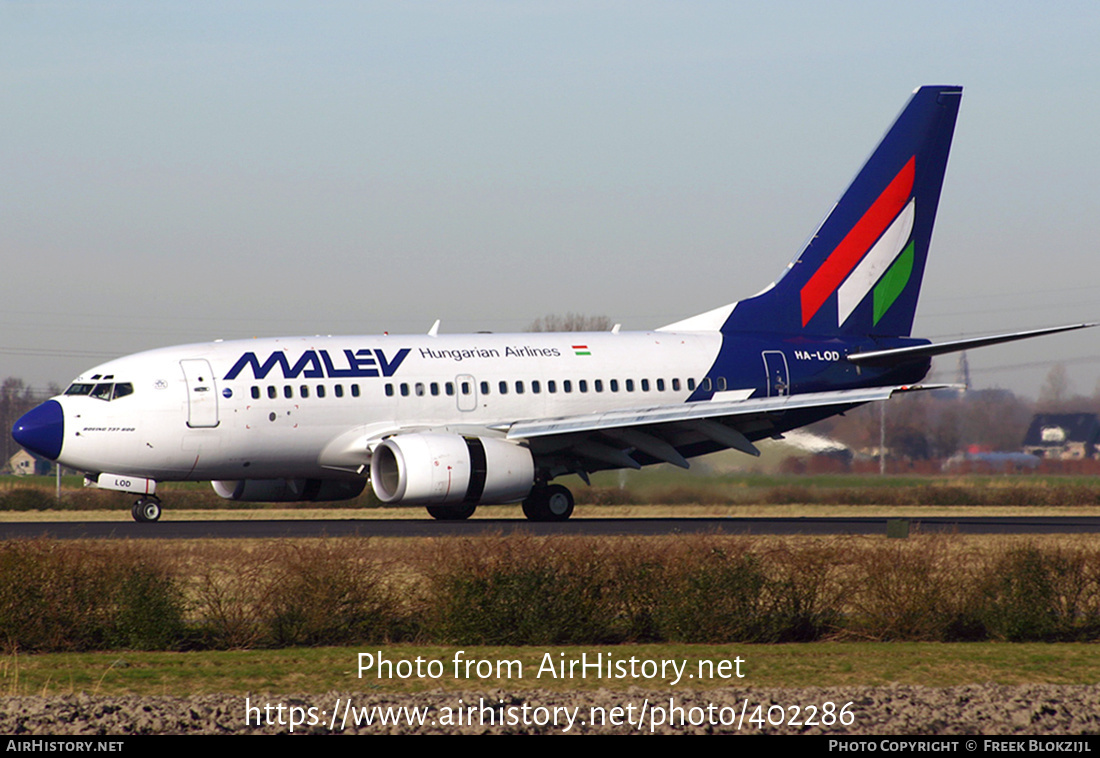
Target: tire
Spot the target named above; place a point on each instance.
(451, 512)
(534, 505)
(146, 510)
(558, 503)
(553, 503)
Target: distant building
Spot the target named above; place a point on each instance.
(25, 464)
(1063, 436)
(992, 461)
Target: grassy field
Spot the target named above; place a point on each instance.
(320, 670)
(653, 493)
(621, 495)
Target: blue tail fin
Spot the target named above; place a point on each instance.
(860, 274)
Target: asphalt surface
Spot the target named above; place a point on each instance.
(587, 526)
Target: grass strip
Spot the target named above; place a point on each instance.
(328, 669)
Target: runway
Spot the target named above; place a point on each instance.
(585, 526)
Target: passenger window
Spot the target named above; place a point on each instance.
(552, 387)
(404, 389)
(645, 385)
(721, 384)
(614, 385)
(582, 385)
(629, 385)
(389, 390)
(660, 385)
(519, 388)
(420, 389)
(567, 385)
(484, 388)
(535, 387)
(272, 393)
(598, 385)
(675, 385)
(288, 391)
(449, 388)
(706, 384)
(255, 393)
(320, 390)
(691, 385)
(304, 389)
(465, 388)
(503, 388)
(339, 390)
(355, 390)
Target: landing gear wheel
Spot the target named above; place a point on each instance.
(553, 503)
(452, 512)
(559, 503)
(145, 510)
(531, 507)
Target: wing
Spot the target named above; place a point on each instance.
(633, 437)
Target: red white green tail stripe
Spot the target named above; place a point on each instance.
(866, 251)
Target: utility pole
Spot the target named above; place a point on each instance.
(882, 437)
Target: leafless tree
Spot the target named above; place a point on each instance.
(570, 322)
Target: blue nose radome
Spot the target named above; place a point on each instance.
(41, 430)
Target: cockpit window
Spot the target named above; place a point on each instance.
(102, 390)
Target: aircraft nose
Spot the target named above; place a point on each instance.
(41, 430)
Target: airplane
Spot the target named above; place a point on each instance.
(451, 422)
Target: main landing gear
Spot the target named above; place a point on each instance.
(551, 503)
(146, 509)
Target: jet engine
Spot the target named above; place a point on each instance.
(430, 468)
(289, 490)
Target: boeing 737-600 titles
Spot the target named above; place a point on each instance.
(454, 421)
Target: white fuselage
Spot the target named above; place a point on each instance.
(313, 406)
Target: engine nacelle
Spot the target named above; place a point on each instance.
(431, 468)
(289, 490)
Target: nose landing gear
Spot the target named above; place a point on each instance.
(146, 509)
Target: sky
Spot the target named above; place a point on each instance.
(181, 172)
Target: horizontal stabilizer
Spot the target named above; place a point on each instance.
(905, 354)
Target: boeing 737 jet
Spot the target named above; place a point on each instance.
(455, 421)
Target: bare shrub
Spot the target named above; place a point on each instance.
(912, 590)
(329, 593)
(605, 496)
(521, 591)
(717, 597)
(1033, 594)
(805, 591)
(232, 597)
(26, 499)
(73, 596)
